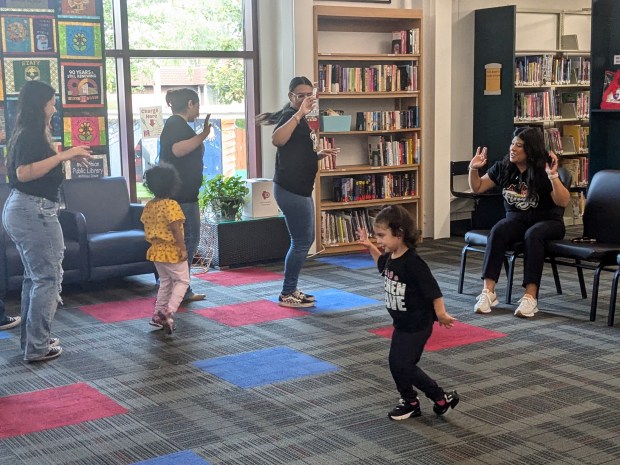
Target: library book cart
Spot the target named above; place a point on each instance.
(368, 70)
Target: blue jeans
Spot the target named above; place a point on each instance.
(191, 229)
(2, 312)
(299, 216)
(32, 223)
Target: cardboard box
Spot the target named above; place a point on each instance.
(336, 123)
(260, 202)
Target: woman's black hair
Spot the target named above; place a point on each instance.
(31, 120)
(536, 158)
(401, 223)
(162, 180)
(268, 118)
(178, 99)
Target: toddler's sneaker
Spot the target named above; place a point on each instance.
(485, 301)
(451, 399)
(158, 321)
(405, 409)
(528, 307)
(294, 301)
(303, 295)
(168, 324)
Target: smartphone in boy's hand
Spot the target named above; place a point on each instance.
(550, 161)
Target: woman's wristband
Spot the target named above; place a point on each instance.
(472, 169)
(553, 176)
(297, 118)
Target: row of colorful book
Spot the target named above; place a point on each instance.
(386, 151)
(550, 104)
(340, 227)
(374, 186)
(406, 41)
(336, 78)
(547, 69)
(578, 168)
(387, 120)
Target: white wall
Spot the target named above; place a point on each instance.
(285, 41)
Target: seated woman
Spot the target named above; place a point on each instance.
(534, 199)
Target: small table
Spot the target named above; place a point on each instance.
(245, 241)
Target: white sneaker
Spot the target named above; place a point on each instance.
(485, 301)
(528, 306)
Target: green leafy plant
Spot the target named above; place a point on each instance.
(223, 195)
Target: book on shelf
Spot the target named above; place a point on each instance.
(336, 78)
(579, 134)
(340, 227)
(553, 140)
(328, 162)
(611, 91)
(550, 69)
(578, 168)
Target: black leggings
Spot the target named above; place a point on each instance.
(518, 227)
(405, 353)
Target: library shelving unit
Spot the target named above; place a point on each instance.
(368, 68)
(544, 87)
(605, 124)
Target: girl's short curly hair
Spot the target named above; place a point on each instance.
(401, 223)
(162, 180)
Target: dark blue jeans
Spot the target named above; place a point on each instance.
(299, 216)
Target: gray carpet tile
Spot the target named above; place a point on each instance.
(547, 393)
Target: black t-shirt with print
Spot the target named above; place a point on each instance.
(296, 161)
(189, 166)
(514, 190)
(410, 289)
(27, 150)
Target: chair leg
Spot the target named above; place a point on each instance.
(582, 283)
(510, 272)
(612, 298)
(462, 271)
(595, 284)
(556, 275)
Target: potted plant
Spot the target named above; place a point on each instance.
(223, 195)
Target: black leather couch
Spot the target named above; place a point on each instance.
(99, 211)
(12, 269)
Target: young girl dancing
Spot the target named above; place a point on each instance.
(163, 226)
(414, 301)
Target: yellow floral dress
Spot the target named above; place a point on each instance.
(157, 216)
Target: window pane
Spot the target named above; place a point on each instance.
(185, 24)
(108, 25)
(114, 144)
(220, 86)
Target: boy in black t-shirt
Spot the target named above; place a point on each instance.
(414, 301)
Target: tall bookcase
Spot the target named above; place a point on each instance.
(542, 86)
(605, 124)
(368, 66)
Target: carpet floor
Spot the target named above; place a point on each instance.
(234, 386)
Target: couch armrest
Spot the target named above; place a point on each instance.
(135, 210)
(73, 225)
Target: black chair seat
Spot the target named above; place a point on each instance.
(592, 252)
(479, 238)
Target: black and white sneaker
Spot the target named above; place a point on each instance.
(452, 399)
(53, 353)
(10, 322)
(54, 341)
(405, 410)
(303, 295)
(294, 300)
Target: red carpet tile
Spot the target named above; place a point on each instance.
(240, 276)
(249, 313)
(53, 408)
(113, 312)
(442, 338)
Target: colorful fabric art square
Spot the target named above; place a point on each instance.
(78, 7)
(79, 39)
(20, 70)
(82, 84)
(84, 130)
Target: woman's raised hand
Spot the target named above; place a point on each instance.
(327, 152)
(307, 104)
(81, 153)
(480, 158)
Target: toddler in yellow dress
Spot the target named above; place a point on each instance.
(163, 226)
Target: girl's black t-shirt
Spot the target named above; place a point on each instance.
(189, 166)
(27, 150)
(410, 289)
(296, 161)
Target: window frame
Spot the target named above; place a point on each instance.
(122, 55)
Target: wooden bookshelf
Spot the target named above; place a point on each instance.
(353, 48)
